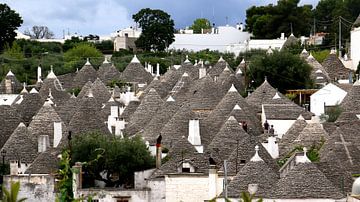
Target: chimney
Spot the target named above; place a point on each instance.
(151, 70)
(14, 167)
(119, 126)
(77, 178)
(39, 74)
(157, 69)
(194, 132)
(213, 178)
(43, 143)
(57, 133)
(273, 148)
(282, 36)
(158, 152)
(202, 72)
(114, 111)
(121, 109)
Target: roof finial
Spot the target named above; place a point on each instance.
(256, 157)
(90, 93)
(50, 95)
(87, 61)
(276, 96)
(187, 59)
(237, 107)
(221, 59)
(33, 91)
(135, 60)
(242, 61)
(10, 73)
(265, 78)
(51, 74)
(232, 88)
(170, 99)
(106, 61)
(24, 89)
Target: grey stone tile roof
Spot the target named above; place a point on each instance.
(135, 72)
(317, 71)
(264, 94)
(100, 91)
(346, 117)
(178, 126)
(144, 113)
(20, 145)
(9, 120)
(85, 74)
(181, 88)
(130, 109)
(192, 70)
(17, 86)
(337, 174)
(87, 117)
(67, 110)
(45, 163)
(351, 102)
(335, 68)
(244, 151)
(106, 108)
(218, 68)
(85, 89)
(313, 133)
(226, 139)
(67, 80)
(343, 146)
(285, 112)
(43, 123)
(304, 54)
(204, 94)
(291, 40)
(60, 96)
(305, 181)
(159, 120)
(108, 72)
(285, 144)
(212, 124)
(161, 86)
(253, 172)
(227, 78)
(254, 125)
(30, 105)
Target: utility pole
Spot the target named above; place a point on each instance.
(339, 33)
(314, 27)
(225, 179)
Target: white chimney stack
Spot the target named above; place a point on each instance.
(43, 143)
(114, 111)
(119, 126)
(14, 167)
(194, 135)
(213, 178)
(202, 72)
(57, 133)
(157, 69)
(39, 74)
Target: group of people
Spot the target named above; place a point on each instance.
(267, 129)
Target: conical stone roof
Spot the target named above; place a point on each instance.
(318, 72)
(179, 91)
(108, 72)
(87, 117)
(306, 181)
(100, 91)
(313, 133)
(254, 125)
(45, 163)
(335, 68)
(67, 110)
(60, 96)
(30, 105)
(20, 146)
(253, 172)
(144, 113)
(85, 74)
(285, 144)
(10, 79)
(135, 72)
(351, 102)
(9, 120)
(130, 109)
(226, 139)
(218, 67)
(160, 119)
(85, 89)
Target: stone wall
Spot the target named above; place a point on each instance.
(36, 188)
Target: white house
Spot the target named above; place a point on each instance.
(328, 96)
(355, 46)
(219, 39)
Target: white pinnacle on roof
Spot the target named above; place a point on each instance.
(196, 62)
(318, 71)
(300, 117)
(24, 89)
(357, 83)
(87, 61)
(232, 88)
(221, 59)
(304, 51)
(73, 95)
(48, 102)
(170, 99)
(269, 51)
(33, 90)
(227, 68)
(90, 93)
(50, 95)
(291, 34)
(256, 157)
(187, 59)
(239, 71)
(311, 56)
(185, 74)
(333, 51)
(111, 99)
(51, 74)
(135, 60)
(237, 107)
(231, 118)
(21, 124)
(242, 61)
(303, 159)
(276, 96)
(106, 61)
(10, 73)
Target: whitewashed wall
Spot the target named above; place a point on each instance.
(355, 46)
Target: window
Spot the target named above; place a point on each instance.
(185, 170)
(242, 161)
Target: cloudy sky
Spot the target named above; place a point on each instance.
(103, 17)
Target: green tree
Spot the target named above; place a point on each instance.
(65, 178)
(157, 29)
(9, 22)
(12, 194)
(199, 24)
(282, 69)
(272, 20)
(116, 157)
(75, 57)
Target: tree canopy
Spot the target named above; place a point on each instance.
(9, 22)
(39, 32)
(117, 158)
(283, 70)
(270, 21)
(75, 57)
(199, 24)
(157, 29)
